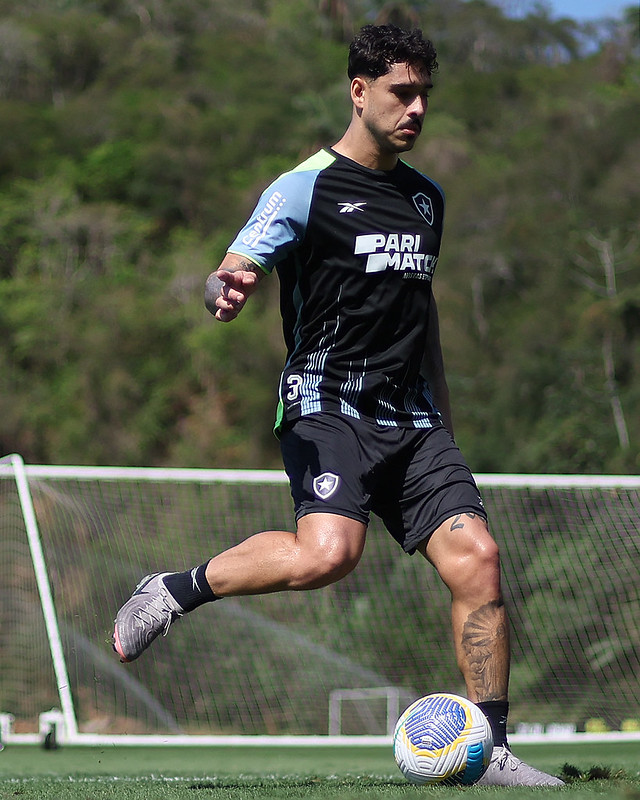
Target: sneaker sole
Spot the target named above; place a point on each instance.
(115, 643)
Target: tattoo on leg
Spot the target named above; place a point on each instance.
(458, 522)
(484, 641)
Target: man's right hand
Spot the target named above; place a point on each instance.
(228, 288)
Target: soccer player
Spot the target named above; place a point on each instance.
(363, 419)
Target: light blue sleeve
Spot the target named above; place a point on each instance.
(279, 221)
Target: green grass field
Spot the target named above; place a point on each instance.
(326, 773)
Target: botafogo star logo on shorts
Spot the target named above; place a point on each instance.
(325, 485)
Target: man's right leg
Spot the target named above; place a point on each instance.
(324, 549)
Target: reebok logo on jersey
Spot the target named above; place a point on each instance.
(349, 208)
(264, 219)
(325, 485)
(395, 251)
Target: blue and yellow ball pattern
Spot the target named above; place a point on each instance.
(443, 738)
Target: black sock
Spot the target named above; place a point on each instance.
(497, 711)
(190, 588)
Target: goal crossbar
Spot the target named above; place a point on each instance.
(244, 476)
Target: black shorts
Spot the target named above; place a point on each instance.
(413, 479)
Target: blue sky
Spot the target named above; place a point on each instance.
(581, 10)
(584, 10)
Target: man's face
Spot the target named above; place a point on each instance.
(393, 107)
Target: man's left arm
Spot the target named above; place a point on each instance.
(433, 367)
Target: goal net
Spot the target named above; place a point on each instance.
(74, 542)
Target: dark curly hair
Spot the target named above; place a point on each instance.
(377, 47)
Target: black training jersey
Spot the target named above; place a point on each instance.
(355, 250)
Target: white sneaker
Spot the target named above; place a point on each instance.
(505, 769)
(149, 612)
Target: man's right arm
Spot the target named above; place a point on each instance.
(229, 287)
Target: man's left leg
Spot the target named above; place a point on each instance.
(467, 559)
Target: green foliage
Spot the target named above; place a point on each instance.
(134, 140)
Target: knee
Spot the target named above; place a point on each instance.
(483, 552)
(485, 563)
(324, 567)
(470, 565)
(327, 557)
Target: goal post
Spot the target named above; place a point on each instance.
(68, 717)
(301, 667)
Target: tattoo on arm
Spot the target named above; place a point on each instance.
(485, 641)
(242, 264)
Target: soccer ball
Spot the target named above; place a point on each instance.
(443, 738)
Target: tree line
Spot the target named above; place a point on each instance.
(135, 138)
